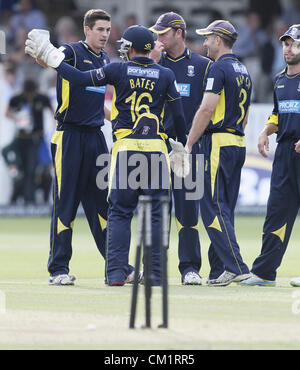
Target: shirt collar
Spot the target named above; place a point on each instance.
(142, 60)
(187, 54)
(91, 50)
(228, 56)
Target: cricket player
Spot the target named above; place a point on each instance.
(190, 70)
(142, 88)
(220, 122)
(284, 199)
(75, 146)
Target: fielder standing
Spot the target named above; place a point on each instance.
(284, 199)
(75, 146)
(190, 70)
(220, 122)
(142, 88)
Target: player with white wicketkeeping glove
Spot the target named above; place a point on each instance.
(38, 45)
(179, 159)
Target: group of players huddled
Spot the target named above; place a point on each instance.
(174, 102)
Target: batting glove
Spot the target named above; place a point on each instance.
(179, 159)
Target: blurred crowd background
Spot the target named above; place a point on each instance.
(259, 24)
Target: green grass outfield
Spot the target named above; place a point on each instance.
(91, 315)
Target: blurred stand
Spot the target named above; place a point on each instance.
(27, 156)
(259, 23)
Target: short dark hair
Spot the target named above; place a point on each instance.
(93, 15)
(30, 86)
(183, 32)
(228, 43)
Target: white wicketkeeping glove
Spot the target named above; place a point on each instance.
(179, 159)
(38, 45)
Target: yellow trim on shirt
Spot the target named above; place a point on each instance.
(219, 113)
(273, 119)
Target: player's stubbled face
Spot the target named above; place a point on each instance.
(210, 45)
(167, 39)
(98, 36)
(291, 51)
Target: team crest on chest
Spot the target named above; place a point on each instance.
(298, 89)
(191, 71)
(146, 130)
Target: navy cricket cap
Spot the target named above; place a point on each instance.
(293, 32)
(221, 28)
(140, 37)
(168, 21)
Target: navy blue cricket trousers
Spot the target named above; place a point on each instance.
(224, 155)
(187, 220)
(282, 209)
(74, 153)
(123, 202)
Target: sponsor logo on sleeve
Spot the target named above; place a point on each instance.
(100, 74)
(210, 84)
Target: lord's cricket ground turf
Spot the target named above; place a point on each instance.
(90, 315)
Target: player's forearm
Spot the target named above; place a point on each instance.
(75, 76)
(263, 140)
(200, 123)
(270, 129)
(156, 52)
(246, 119)
(178, 120)
(179, 129)
(271, 125)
